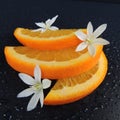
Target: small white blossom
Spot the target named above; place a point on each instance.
(47, 25)
(36, 88)
(91, 38)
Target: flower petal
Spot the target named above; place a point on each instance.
(89, 29)
(46, 83)
(37, 73)
(91, 50)
(53, 20)
(39, 29)
(82, 36)
(100, 30)
(41, 98)
(25, 93)
(43, 30)
(101, 41)
(33, 102)
(53, 28)
(48, 22)
(81, 46)
(26, 79)
(40, 24)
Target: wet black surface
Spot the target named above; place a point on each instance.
(104, 102)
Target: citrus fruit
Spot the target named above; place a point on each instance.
(49, 40)
(68, 90)
(54, 64)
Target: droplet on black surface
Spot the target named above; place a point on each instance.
(96, 108)
(86, 109)
(118, 96)
(104, 96)
(109, 73)
(110, 99)
(102, 106)
(17, 109)
(4, 115)
(107, 83)
(10, 117)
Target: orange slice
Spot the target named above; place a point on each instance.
(54, 64)
(49, 40)
(68, 90)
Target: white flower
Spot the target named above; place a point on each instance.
(91, 38)
(47, 25)
(36, 88)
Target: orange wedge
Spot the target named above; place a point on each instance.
(68, 90)
(49, 40)
(54, 64)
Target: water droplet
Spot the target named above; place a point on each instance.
(96, 108)
(73, 117)
(21, 108)
(111, 67)
(104, 96)
(109, 73)
(10, 117)
(118, 96)
(4, 115)
(107, 83)
(86, 109)
(114, 81)
(110, 99)
(117, 66)
(102, 106)
(16, 108)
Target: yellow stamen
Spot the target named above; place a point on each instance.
(37, 86)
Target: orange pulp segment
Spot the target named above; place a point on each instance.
(49, 40)
(54, 64)
(68, 90)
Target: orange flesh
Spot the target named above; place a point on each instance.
(71, 89)
(49, 40)
(72, 81)
(24, 59)
(54, 55)
(48, 34)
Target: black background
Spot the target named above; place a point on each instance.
(104, 102)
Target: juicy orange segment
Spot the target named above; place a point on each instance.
(68, 90)
(54, 64)
(49, 40)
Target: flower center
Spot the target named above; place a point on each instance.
(37, 86)
(47, 27)
(89, 41)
